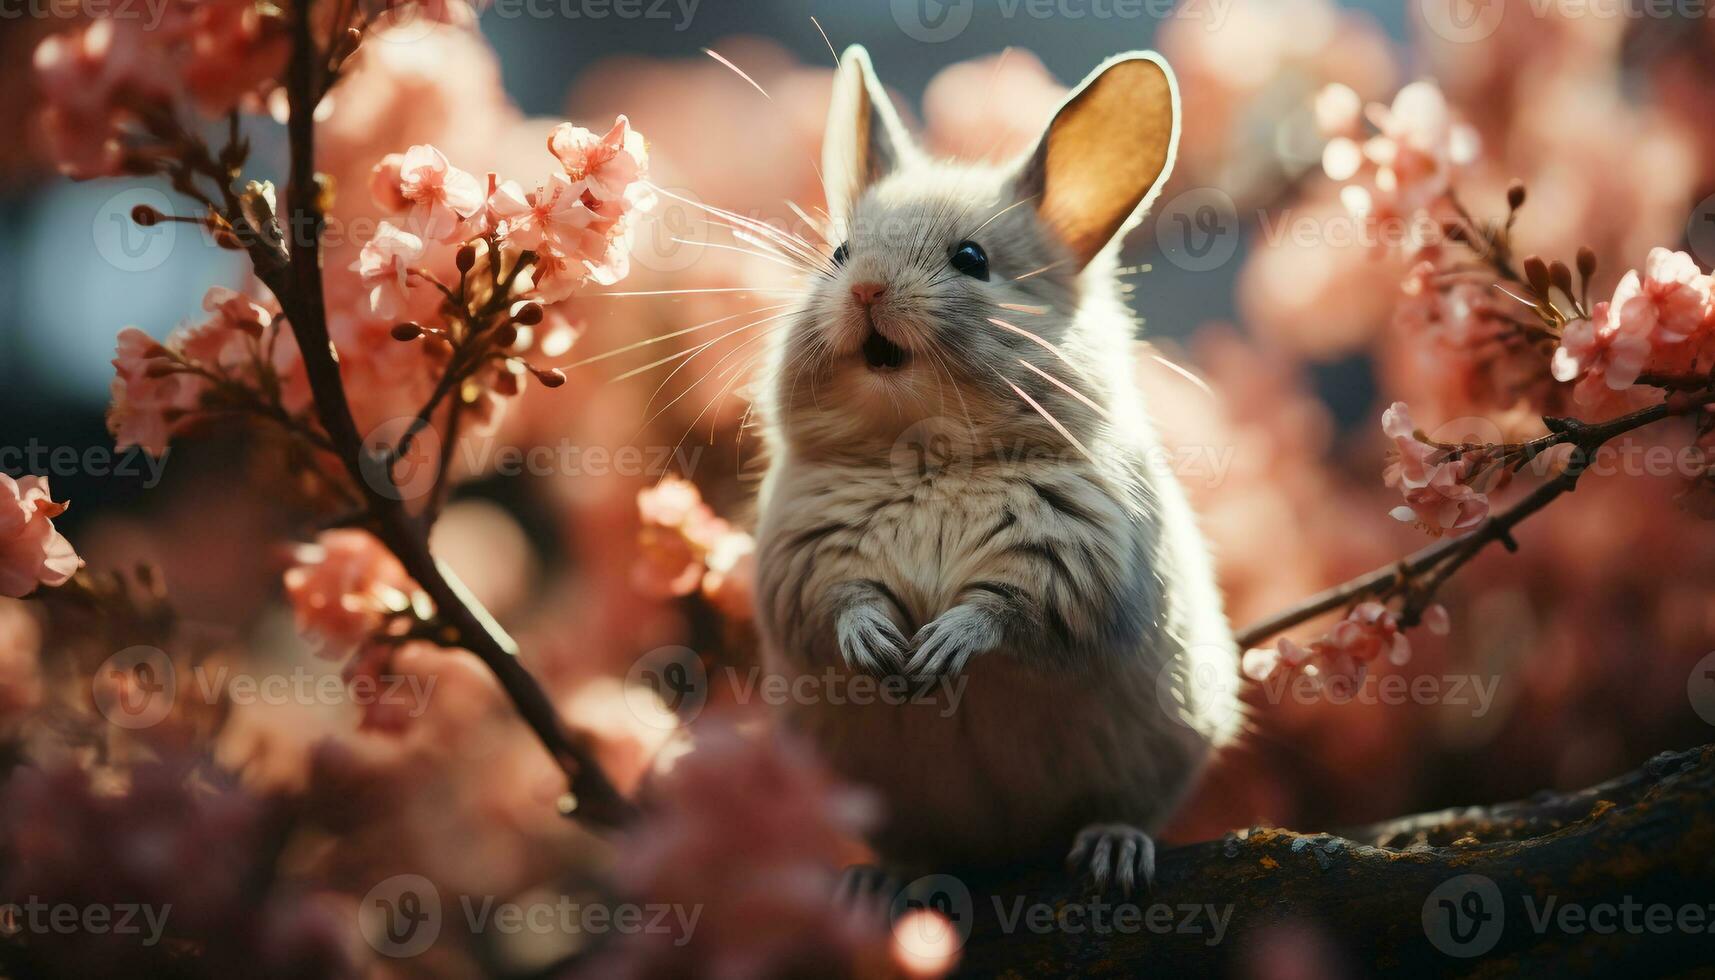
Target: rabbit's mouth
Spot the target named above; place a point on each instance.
(881, 354)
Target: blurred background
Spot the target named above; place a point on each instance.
(1567, 662)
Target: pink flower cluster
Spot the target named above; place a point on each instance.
(576, 223)
(1369, 631)
(751, 829)
(158, 388)
(1661, 319)
(1408, 164)
(117, 72)
(686, 548)
(344, 588)
(32, 552)
(1438, 494)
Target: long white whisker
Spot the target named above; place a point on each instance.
(1068, 389)
(809, 222)
(1051, 419)
(690, 292)
(738, 71)
(676, 333)
(770, 256)
(760, 227)
(1037, 272)
(1181, 370)
(1002, 211)
(1038, 339)
(698, 383)
(825, 40)
(694, 351)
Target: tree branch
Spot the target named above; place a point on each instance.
(296, 280)
(1448, 555)
(1644, 839)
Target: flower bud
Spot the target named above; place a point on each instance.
(1536, 273)
(1515, 195)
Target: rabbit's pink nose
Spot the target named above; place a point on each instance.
(868, 292)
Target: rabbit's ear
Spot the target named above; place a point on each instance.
(1106, 153)
(864, 140)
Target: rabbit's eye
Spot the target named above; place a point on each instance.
(842, 253)
(970, 259)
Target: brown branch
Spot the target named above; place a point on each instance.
(1645, 839)
(295, 277)
(1445, 557)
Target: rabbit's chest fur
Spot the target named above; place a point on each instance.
(1032, 740)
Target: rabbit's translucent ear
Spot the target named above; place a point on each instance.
(1106, 153)
(864, 140)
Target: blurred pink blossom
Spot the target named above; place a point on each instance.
(751, 829)
(32, 552)
(343, 587)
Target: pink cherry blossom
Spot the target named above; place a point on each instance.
(385, 265)
(750, 827)
(1602, 351)
(81, 76)
(1668, 303)
(1369, 632)
(441, 195)
(384, 183)
(343, 587)
(1418, 144)
(554, 212)
(144, 407)
(32, 552)
(686, 547)
(610, 167)
(233, 53)
(1437, 495)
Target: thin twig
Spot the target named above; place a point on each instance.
(1440, 560)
